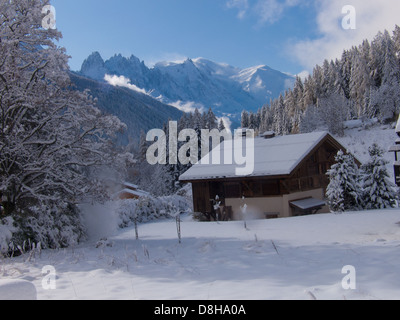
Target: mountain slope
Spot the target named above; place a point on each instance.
(200, 82)
(138, 111)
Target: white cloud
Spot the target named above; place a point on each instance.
(241, 5)
(121, 81)
(165, 57)
(303, 74)
(371, 17)
(271, 10)
(188, 106)
(227, 123)
(264, 10)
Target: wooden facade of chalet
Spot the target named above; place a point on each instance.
(272, 196)
(396, 150)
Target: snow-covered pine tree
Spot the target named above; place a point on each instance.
(386, 97)
(378, 191)
(198, 120)
(265, 119)
(221, 125)
(309, 97)
(281, 124)
(344, 68)
(377, 59)
(290, 108)
(327, 84)
(344, 191)
(396, 39)
(252, 121)
(359, 84)
(211, 121)
(143, 146)
(245, 119)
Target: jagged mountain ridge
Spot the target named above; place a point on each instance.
(200, 82)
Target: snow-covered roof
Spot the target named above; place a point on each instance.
(130, 185)
(137, 193)
(398, 126)
(272, 157)
(268, 133)
(395, 148)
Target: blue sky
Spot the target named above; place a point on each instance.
(288, 35)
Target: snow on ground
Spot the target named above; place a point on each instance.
(359, 137)
(293, 258)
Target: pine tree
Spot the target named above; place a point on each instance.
(318, 78)
(143, 145)
(389, 92)
(328, 79)
(385, 94)
(265, 119)
(198, 121)
(378, 191)
(183, 122)
(211, 121)
(245, 119)
(221, 126)
(345, 71)
(309, 97)
(344, 190)
(253, 121)
(396, 39)
(359, 84)
(295, 105)
(281, 117)
(376, 61)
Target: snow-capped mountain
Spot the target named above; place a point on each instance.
(197, 83)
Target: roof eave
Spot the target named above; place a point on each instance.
(236, 178)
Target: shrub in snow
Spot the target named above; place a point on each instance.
(53, 227)
(7, 230)
(344, 191)
(149, 208)
(378, 191)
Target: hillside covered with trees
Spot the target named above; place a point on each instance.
(364, 83)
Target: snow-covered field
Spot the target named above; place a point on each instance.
(359, 138)
(293, 258)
